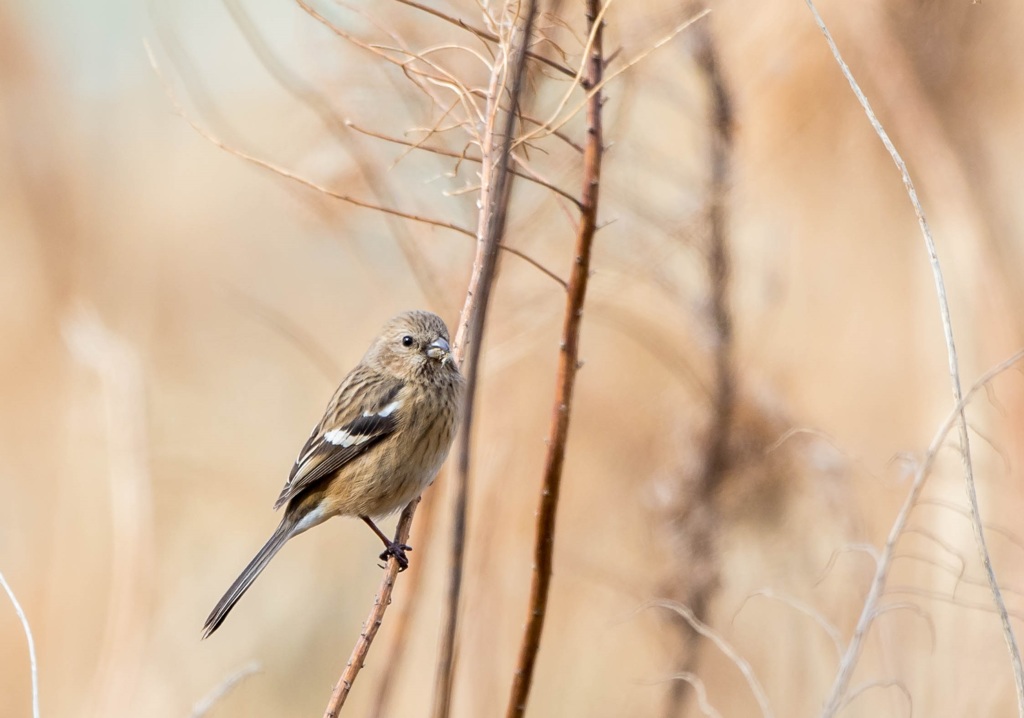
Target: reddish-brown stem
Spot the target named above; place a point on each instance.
(568, 364)
(401, 624)
(370, 627)
(495, 186)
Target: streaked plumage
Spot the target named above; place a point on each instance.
(381, 441)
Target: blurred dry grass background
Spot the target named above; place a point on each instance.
(153, 393)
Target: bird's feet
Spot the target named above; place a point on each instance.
(398, 551)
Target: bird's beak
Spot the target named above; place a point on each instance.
(440, 350)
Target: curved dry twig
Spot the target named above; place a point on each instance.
(462, 156)
(952, 600)
(259, 162)
(485, 35)
(338, 195)
(555, 123)
(863, 688)
(914, 609)
(307, 343)
(445, 79)
(800, 607)
(205, 704)
(700, 691)
(842, 679)
(864, 548)
(997, 529)
(884, 560)
(33, 665)
(321, 106)
(725, 647)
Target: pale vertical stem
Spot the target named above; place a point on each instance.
(466, 350)
(495, 186)
(839, 687)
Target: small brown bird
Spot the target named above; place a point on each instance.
(382, 439)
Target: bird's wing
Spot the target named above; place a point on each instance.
(361, 414)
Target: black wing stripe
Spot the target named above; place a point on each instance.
(326, 452)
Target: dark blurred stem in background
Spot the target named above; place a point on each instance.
(697, 522)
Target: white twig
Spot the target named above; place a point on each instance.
(831, 631)
(883, 684)
(701, 692)
(204, 704)
(914, 609)
(954, 373)
(731, 653)
(870, 610)
(31, 645)
(864, 548)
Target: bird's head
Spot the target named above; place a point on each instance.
(413, 344)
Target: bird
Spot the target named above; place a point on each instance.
(383, 437)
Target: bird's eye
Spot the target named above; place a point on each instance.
(407, 341)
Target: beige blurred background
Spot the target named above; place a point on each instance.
(173, 319)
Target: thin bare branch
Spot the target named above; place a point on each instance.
(568, 365)
(33, 665)
(288, 174)
(318, 102)
(403, 622)
(1003, 531)
(495, 188)
(556, 133)
(207, 702)
(370, 627)
(304, 341)
(555, 123)
(799, 606)
(864, 548)
(731, 653)
(912, 608)
(444, 79)
(462, 156)
(485, 35)
(952, 600)
(946, 546)
(861, 689)
(843, 678)
(534, 176)
(884, 560)
(533, 262)
(958, 573)
(700, 691)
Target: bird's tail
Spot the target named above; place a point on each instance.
(242, 583)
